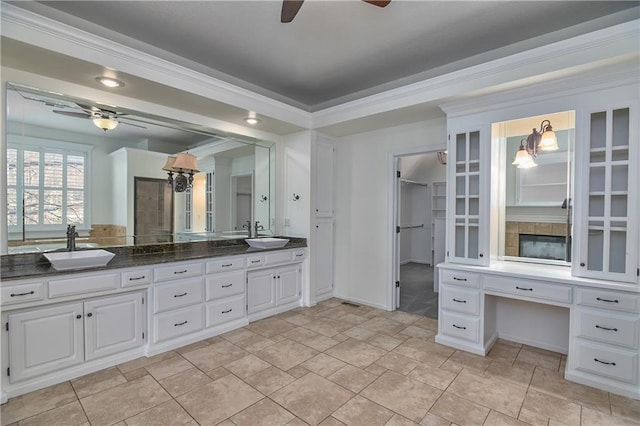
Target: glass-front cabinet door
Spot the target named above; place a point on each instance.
(609, 219)
(468, 219)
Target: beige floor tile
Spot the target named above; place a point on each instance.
(297, 422)
(435, 377)
(215, 355)
(540, 408)
(496, 394)
(286, 354)
(299, 319)
(553, 383)
(264, 412)
(398, 420)
(398, 363)
(321, 343)
(431, 419)
(270, 327)
(255, 343)
(352, 319)
(327, 327)
(37, 402)
(169, 367)
(352, 378)
(459, 410)
(498, 419)
(625, 407)
(467, 359)
(428, 353)
(376, 369)
(135, 374)
(358, 333)
(184, 382)
(299, 334)
(218, 373)
(270, 380)
(330, 421)
(298, 371)
(323, 365)
(385, 342)
(360, 411)
(98, 381)
(312, 398)
(591, 417)
(123, 401)
(384, 325)
(218, 400)
(247, 366)
(519, 373)
(419, 332)
(145, 361)
(407, 397)
(188, 348)
(356, 353)
(545, 359)
(235, 336)
(504, 352)
(66, 415)
(404, 317)
(428, 323)
(166, 413)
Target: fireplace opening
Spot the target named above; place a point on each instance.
(543, 246)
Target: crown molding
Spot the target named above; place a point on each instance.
(31, 28)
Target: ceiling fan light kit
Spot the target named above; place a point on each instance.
(105, 123)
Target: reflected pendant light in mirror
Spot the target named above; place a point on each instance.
(181, 164)
(523, 159)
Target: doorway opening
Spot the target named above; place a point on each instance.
(419, 231)
(241, 196)
(152, 211)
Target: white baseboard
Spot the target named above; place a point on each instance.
(360, 301)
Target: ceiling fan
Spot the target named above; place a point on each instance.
(290, 8)
(102, 118)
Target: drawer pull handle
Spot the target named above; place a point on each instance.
(227, 285)
(226, 265)
(461, 328)
(607, 300)
(180, 272)
(604, 362)
(180, 295)
(227, 311)
(524, 288)
(89, 314)
(255, 261)
(22, 294)
(606, 328)
(459, 279)
(137, 278)
(178, 324)
(459, 301)
(299, 254)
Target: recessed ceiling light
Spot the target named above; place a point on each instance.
(252, 120)
(109, 82)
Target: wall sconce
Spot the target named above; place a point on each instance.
(543, 140)
(524, 160)
(442, 157)
(263, 198)
(296, 197)
(181, 164)
(105, 123)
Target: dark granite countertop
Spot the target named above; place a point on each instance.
(33, 265)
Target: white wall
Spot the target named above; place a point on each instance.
(363, 260)
(296, 162)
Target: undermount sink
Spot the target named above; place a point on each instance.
(62, 261)
(264, 243)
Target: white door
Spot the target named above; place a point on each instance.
(45, 340)
(113, 325)
(396, 244)
(261, 290)
(324, 179)
(288, 282)
(323, 256)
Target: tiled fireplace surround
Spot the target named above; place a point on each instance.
(514, 229)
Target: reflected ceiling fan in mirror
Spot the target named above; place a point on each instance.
(102, 118)
(290, 8)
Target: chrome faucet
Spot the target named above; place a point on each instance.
(257, 228)
(71, 237)
(248, 226)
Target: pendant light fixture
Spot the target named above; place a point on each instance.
(181, 164)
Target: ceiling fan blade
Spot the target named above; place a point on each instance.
(290, 9)
(382, 3)
(73, 114)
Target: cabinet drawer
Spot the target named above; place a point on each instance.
(618, 364)
(528, 288)
(178, 323)
(224, 265)
(134, 278)
(175, 272)
(610, 328)
(609, 300)
(278, 257)
(22, 293)
(460, 326)
(466, 279)
(176, 295)
(224, 285)
(224, 310)
(255, 261)
(460, 300)
(71, 286)
(298, 255)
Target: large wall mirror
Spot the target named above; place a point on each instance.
(63, 169)
(536, 186)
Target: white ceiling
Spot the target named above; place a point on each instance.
(333, 51)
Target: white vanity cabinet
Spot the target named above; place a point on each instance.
(224, 291)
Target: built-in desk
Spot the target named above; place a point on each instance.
(596, 323)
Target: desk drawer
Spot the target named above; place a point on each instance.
(618, 364)
(460, 300)
(134, 278)
(224, 285)
(225, 265)
(177, 295)
(528, 288)
(83, 285)
(465, 279)
(177, 272)
(460, 326)
(225, 310)
(14, 294)
(610, 328)
(178, 323)
(609, 300)
(255, 261)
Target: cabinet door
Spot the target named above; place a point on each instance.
(261, 290)
(324, 179)
(608, 233)
(113, 325)
(288, 284)
(45, 340)
(468, 194)
(323, 257)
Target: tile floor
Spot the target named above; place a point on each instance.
(332, 364)
(416, 290)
